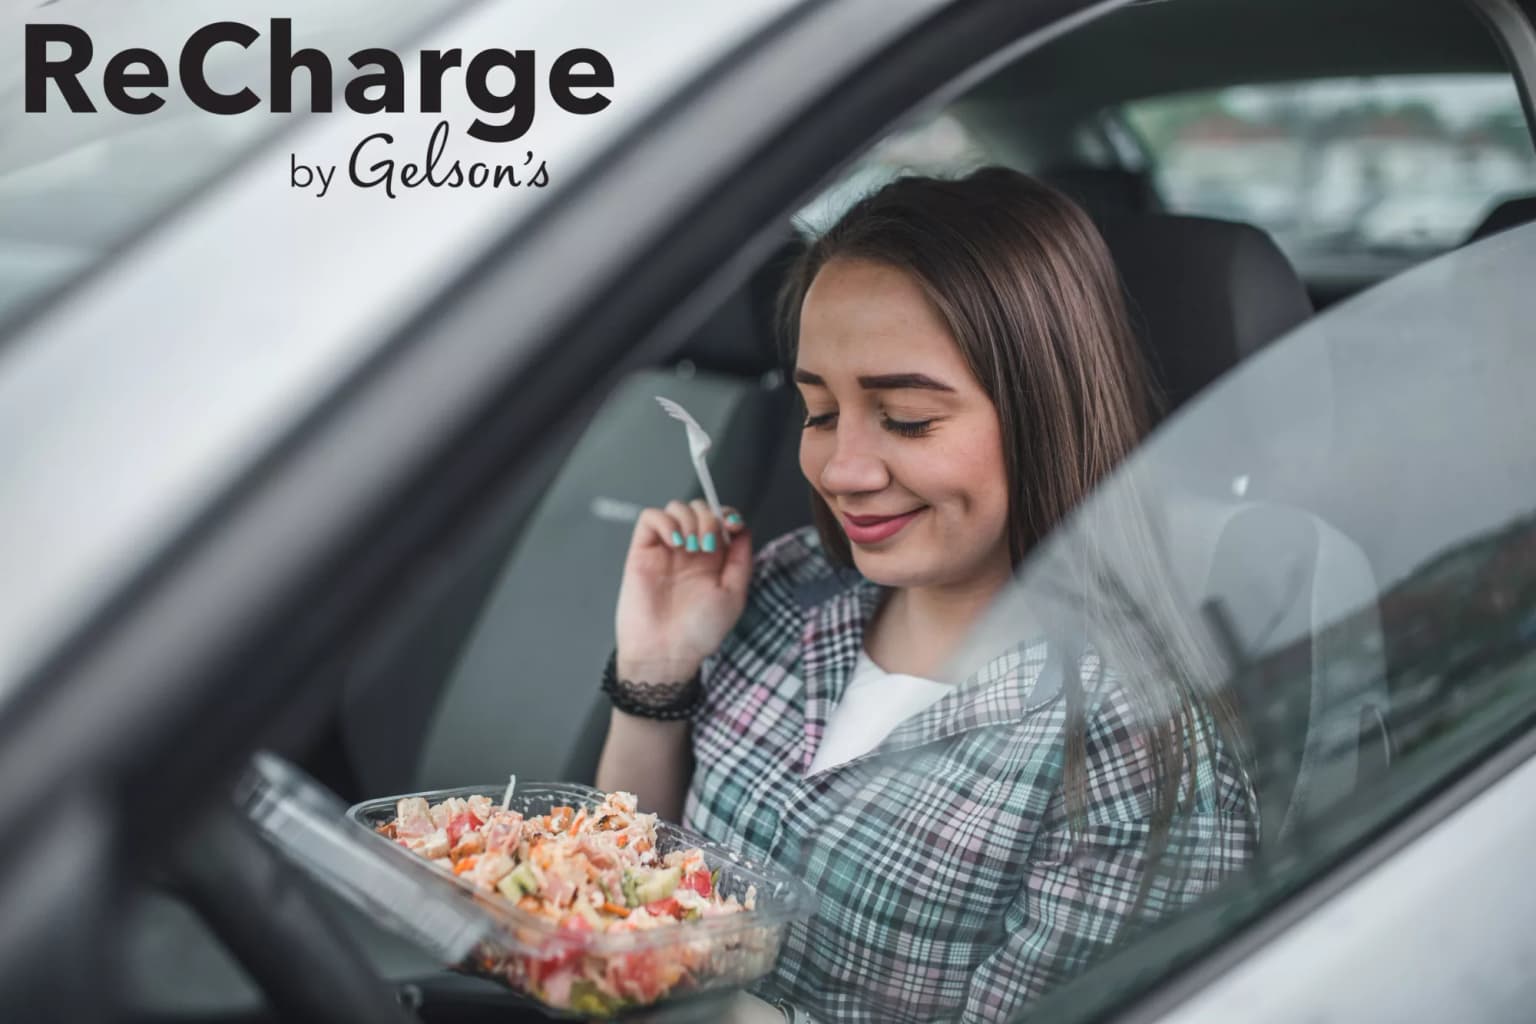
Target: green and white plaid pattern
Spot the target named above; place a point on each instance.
(951, 887)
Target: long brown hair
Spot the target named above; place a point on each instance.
(1029, 291)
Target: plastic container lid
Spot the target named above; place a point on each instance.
(309, 824)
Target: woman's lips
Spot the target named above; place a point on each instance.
(873, 529)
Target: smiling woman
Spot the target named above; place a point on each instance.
(967, 371)
(910, 466)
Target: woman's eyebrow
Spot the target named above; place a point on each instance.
(881, 382)
(899, 381)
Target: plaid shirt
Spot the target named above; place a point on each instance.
(950, 884)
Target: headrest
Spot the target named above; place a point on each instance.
(1203, 294)
(741, 337)
(1511, 213)
(1106, 191)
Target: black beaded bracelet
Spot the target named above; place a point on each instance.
(667, 702)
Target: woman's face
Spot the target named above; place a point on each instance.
(900, 440)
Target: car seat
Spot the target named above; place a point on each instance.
(1106, 191)
(522, 646)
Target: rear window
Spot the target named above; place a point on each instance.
(1344, 171)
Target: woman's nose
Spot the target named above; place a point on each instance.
(853, 467)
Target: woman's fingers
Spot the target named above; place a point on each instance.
(690, 527)
(656, 527)
(686, 525)
(733, 521)
(711, 532)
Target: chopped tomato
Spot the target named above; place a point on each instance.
(668, 907)
(698, 881)
(575, 923)
(637, 975)
(566, 958)
(461, 823)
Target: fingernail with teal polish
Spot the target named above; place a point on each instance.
(733, 519)
(677, 539)
(693, 543)
(709, 542)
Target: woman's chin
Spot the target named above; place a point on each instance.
(891, 568)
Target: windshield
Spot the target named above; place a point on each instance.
(73, 186)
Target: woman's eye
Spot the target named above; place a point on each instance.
(907, 428)
(823, 420)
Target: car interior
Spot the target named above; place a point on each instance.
(1205, 295)
(496, 669)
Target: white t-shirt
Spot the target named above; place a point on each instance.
(873, 705)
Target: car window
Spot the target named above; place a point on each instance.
(1347, 172)
(1368, 607)
(939, 145)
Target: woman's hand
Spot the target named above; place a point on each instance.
(685, 585)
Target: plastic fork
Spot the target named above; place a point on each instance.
(698, 447)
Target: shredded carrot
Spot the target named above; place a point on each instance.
(614, 908)
(642, 844)
(581, 818)
(464, 865)
(623, 841)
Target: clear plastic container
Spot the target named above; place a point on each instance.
(481, 933)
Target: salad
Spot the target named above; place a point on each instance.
(590, 870)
